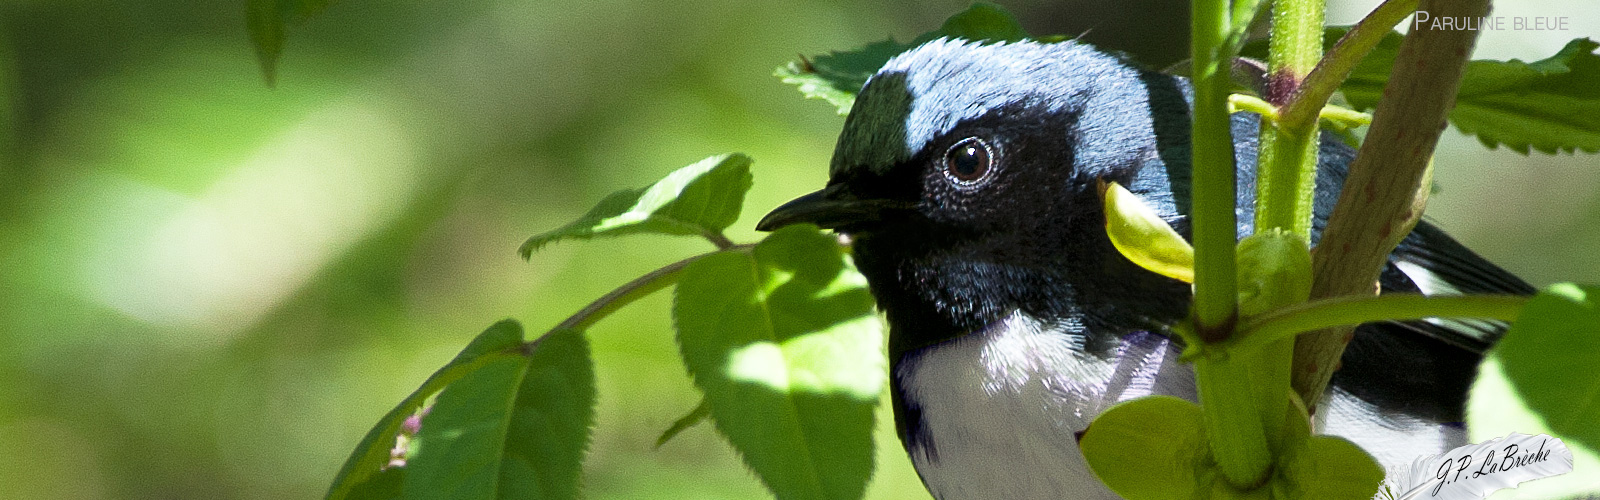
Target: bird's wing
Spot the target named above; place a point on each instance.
(1431, 262)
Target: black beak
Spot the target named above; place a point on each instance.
(830, 208)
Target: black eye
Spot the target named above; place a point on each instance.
(968, 161)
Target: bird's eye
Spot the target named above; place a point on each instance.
(968, 161)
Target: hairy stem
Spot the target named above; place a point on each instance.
(1288, 161)
(1386, 188)
(1303, 106)
(1286, 170)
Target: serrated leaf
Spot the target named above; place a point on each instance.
(550, 424)
(1143, 237)
(981, 22)
(1331, 468)
(368, 460)
(457, 452)
(1151, 448)
(784, 344)
(691, 419)
(1550, 353)
(701, 199)
(1551, 105)
(516, 427)
(267, 20)
(836, 77)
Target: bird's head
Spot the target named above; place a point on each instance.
(966, 174)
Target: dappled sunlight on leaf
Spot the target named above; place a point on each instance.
(785, 345)
(700, 199)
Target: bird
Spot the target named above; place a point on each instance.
(965, 179)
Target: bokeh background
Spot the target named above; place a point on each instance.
(210, 289)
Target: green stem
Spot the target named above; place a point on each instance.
(1356, 309)
(1229, 398)
(633, 290)
(1253, 104)
(1238, 444)
(717, 238)
(1345, 117)
(1287, 167)
(1213, 173)
(1286, 170)
(1286, 187)
(1335, 67)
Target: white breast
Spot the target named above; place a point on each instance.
(1000, 410)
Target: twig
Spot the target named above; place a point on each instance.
(1318, 86)
(1351, 310)
(631, 291)
(1386, 189)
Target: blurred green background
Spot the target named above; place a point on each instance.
(210, 289)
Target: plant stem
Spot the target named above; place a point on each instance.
(1253, 104)
(1237, 438)
(1313, 93)
(1285, 186)
(1357, 309)
(1387, 185)
(633, 290)
(1213, 174)
(1287, 167)
(717, 238)
(1286, 170)
(1232, 407)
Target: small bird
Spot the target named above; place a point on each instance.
(966, 176)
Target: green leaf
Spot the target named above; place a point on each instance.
(550, 424)
(1274, 270)
(1327, 467)
(700, 199)
(836, 77)
(457, 452)
(984, 22)
(1551, 105)
(367, 462)
(784, 343)
(693, 418)
(516, 427)
(267, 20)
(1151, 448)
(1143, 237)
(1550, 354)
(385, 485)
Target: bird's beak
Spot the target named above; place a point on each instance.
(830, 208)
